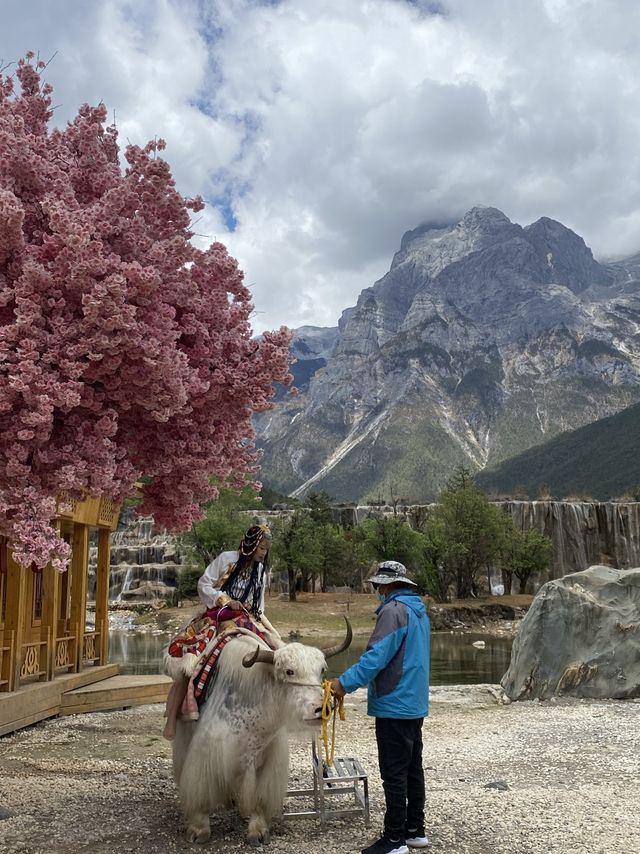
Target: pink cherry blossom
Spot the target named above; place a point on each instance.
(124, 350)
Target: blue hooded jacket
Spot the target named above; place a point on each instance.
(395, 664)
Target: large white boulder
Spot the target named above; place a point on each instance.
(580, 638)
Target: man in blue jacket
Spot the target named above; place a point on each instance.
(395, 666)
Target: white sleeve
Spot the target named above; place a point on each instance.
(208, 589)
(263, 584)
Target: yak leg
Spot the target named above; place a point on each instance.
(198, 829)
(264, 788)
(181, 743)
(258, 830)
(273, 776)
(194, 795)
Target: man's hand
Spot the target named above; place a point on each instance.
(235, 605)
(337, 689)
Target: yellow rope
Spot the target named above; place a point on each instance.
(331, 706)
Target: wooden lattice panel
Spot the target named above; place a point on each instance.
(103, 511)
(108, 513)
(66, 506)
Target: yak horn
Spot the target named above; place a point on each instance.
(264, 656)
(334, 650)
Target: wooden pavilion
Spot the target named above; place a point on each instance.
(47, 655)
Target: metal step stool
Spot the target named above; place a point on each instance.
(345, 777)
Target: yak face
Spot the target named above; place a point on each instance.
(302, 669)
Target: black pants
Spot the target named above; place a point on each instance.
(400, 759)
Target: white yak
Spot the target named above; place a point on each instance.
(237, 753)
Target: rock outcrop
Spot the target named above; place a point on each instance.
(482, 340)
(583, 533)
(580, 638)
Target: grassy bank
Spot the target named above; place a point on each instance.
(324, 613)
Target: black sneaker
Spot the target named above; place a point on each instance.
(385, 845)
(416, 838)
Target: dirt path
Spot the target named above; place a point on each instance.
(101, 783)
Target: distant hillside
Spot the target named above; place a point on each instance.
(601, 460)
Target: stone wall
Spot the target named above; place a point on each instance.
(583, 533)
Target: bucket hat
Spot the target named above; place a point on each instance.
(390, 571)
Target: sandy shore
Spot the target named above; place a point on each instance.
(101, 783)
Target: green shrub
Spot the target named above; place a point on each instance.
(188, 583)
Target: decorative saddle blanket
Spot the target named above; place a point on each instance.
(194, 638)
(206, 666)
(199, 633)
(205, 637)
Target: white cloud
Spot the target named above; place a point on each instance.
(331, 128)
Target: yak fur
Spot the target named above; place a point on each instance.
(237, 753)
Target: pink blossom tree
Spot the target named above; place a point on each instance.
(124, 349)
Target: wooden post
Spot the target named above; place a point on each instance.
(102, 593)
(17, 608)
(50, 610)
(79, 571)
(6, 667)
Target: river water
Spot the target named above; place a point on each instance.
(454, 659)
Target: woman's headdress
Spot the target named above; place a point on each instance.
(252, 539)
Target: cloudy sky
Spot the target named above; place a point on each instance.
(319, 131)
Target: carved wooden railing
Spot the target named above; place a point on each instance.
(64, 653)
(34, 660)
(102, 641)
(91, 648)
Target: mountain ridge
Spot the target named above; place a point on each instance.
(483, 339)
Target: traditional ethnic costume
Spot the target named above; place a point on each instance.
(232, 576)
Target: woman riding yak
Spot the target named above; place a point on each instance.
(232, 591)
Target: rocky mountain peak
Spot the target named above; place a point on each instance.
(482, 340)
(314, 342)
(569, 259)
(434, 247)
(487, 222)
(311, 348)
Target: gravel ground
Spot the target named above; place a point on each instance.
(101, 783)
